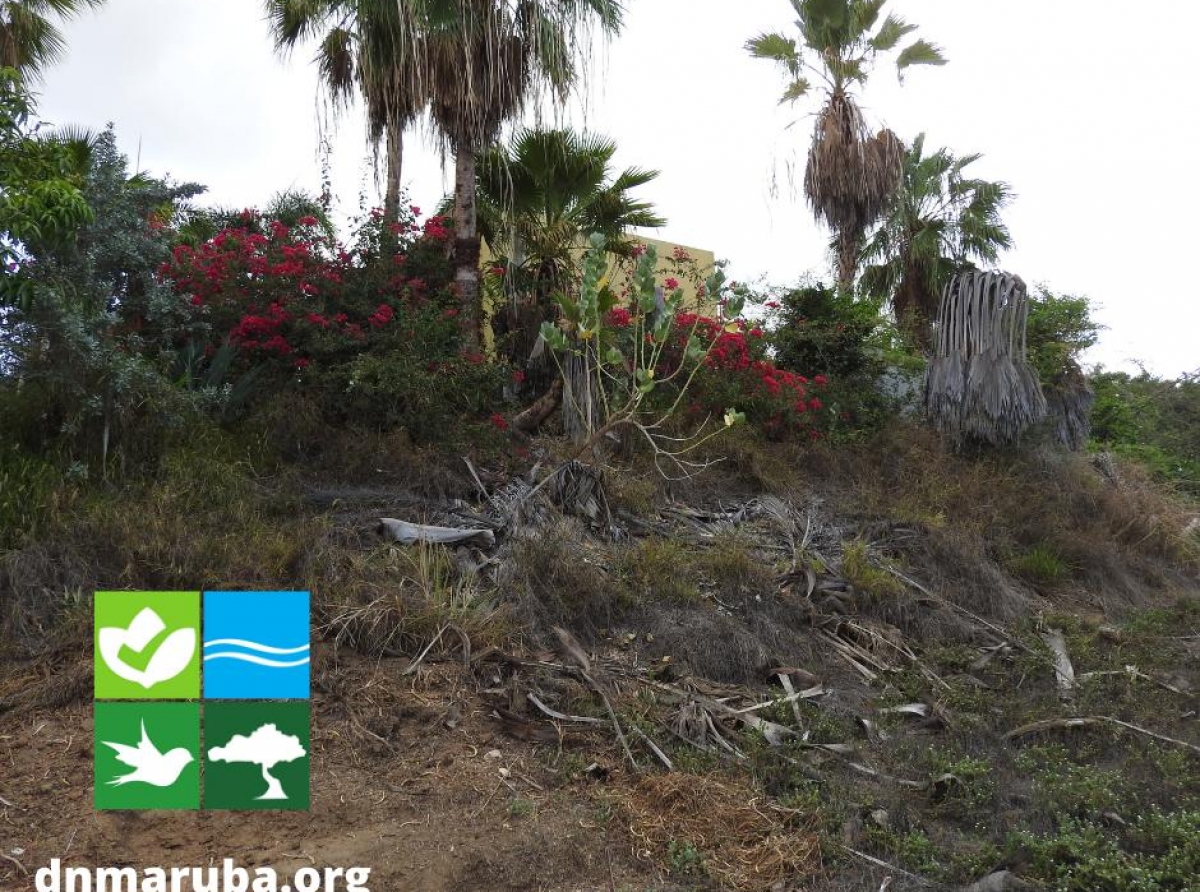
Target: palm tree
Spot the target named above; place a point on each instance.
(850, 174)
(940, 222)
(483, 61)
(542, 194)
(29, 39)
(539, 199)
(362, 46)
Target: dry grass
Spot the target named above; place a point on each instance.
(746, 842)
(394, 600)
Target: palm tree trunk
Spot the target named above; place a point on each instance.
(848, 246)
(466, 246)
(395, 164)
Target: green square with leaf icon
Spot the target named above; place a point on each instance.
(147, 645)
(146, 756)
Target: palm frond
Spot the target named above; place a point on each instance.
(919, 52)
(979, 385)
(796, 90)
(891, 32)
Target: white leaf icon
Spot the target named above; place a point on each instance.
(169, 659)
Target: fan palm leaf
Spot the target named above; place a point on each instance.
(938, 222)
(30, 40)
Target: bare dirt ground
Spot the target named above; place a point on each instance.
(406, 780)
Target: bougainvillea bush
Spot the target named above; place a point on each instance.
(372, 327)
(653, 358)
(737, 371)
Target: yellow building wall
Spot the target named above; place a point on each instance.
(703, 261)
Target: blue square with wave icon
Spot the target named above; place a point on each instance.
(256, 645)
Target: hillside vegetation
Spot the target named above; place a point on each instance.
(861, 582)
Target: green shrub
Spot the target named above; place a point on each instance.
(1160, 852)
(400, 390)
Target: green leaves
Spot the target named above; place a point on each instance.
(890, 34)
(838, 32)
(773, 46)
(796, 90)
(920, 52)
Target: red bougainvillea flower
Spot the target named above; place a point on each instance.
(671, 284)
(308, 220)
(638, 250)
(498, 271)
(820, 380)
(619, 317)
(756, 332)
(815, 404)
(499, 422)
(303, 362)
(382, 316)
(416, 211)
(518, 376)
(772, 305)
(450, 313)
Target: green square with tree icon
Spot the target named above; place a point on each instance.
(256, 756)
(147, 645)
(146, 756)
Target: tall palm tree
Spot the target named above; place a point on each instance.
(362, 49)
(29, 39)
(850, 174)
(483, 61)
(539, 199)
(940, 222)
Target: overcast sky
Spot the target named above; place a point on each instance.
(1090, 116)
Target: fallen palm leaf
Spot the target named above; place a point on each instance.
(409, 533)
(1090, 721)
(1063, 670)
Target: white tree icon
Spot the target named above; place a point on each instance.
(267, 746)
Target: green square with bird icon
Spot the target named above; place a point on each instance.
(147, 645)
(256, 755)
(147, 756)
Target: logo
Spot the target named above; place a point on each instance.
(146, 645)
(147, 755)
(149, 715)
(256, 645)
(257, 756)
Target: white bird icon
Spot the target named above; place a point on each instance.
(150, 766)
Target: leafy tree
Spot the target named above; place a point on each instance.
(41, 203)
(538, 198)
(95, 330)
(361, 48)
(1059, 330)
(851, 175)
(1153, 420)
(939, 222)
(29, 38)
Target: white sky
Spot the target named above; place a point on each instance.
(1084, 112)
